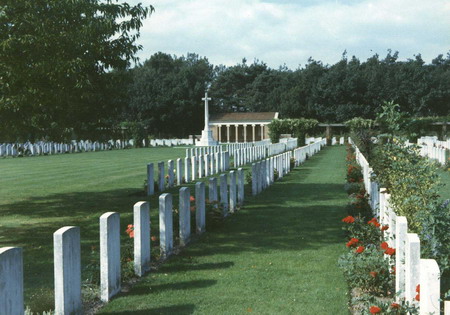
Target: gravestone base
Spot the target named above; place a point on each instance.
(206, 139)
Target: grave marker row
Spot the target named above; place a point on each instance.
(411, 270)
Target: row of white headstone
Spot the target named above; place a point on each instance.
(433, 141)
(187, 170)
(410, 269)
(167, 142)
(335, 141)
(48, 147)
(67, 250)
(230, 147)
(439, 154)
(263, 172)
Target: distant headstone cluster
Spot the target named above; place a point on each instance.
(51, 148)
(434, 149)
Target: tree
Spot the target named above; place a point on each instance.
(166, 92)
(55, 56)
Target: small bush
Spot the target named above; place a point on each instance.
(367, 270)
(352, 188)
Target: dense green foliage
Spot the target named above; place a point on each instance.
(55, 56)
(359, 123)
(165, 94)
(412, 182)
(298, 128)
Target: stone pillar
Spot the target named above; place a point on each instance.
(217, 164)
(401, 229)
(171, 167)
(161, 179)
(141, 221)
(185, 216)
(179, 172)
(237, 158)
(254, 180)
(200, 207)
(233, 205)
(212, 163)
(109, 255)
(430, 287)
(212, 189)
(412, 266)
(187, 170)
(11, 281)
(227, 160)
(200, 166)
(207, 161)
(272, 168)
(258, 175)
(67, 266)
(224, 194)
(237, 133)
(240, 186)
(262, 131)
(165, 225)
(150, 180)
(194, 167)
(228, 133)
(253, 132)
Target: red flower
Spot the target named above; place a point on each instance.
(384, 245)
(417, 298)
(375, 310)
(130, 230)
(360, 249)
(390, 251)
(374, 221)
(373, 274)
(348, 219)
(352, 242)
(192, 199)
(384, 227)
(395, 305)
(418, 288)
(192, 209)
(153, 238)
(393, 270)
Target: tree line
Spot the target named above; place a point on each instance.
(68, 69)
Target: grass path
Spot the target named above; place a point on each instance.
(278, 255)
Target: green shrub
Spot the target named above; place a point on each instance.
(411, 180)
(368, 271)
(298, 128)
(352, 188)
(359, 123)
(435, 234)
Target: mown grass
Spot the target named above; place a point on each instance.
(277, 255)
(41, 194)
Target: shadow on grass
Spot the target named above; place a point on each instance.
(182, 309)
(185, 285)
(271, 221)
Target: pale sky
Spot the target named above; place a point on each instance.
(289, 32)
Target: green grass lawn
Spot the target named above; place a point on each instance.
(41, 194)
(277, 255)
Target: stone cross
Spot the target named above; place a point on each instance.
(206, 99)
